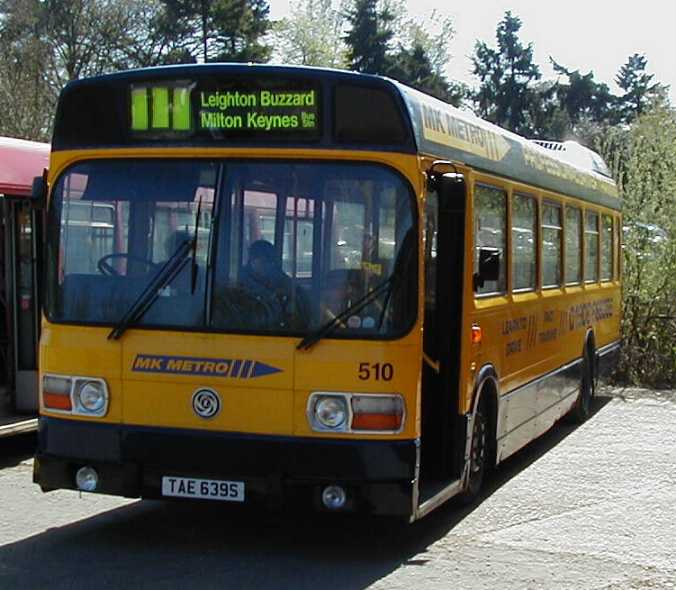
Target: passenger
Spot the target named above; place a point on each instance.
(264, 278)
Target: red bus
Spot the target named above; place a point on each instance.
(21, 228)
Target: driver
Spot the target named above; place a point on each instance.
(264, 278)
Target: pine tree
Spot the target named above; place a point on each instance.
(223, 30)
(506, 74)
(639, 90)
(369, 37)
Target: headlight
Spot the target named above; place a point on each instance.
(91, 396)
(364, 413)
(330, 412)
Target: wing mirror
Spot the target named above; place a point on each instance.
(489, 267)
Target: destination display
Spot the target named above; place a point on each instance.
(226, 110)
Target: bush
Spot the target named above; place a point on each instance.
(643, 158)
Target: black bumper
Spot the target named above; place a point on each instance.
(277, 471)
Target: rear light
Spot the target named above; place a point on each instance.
(56, 393)
(377, 412)
(356, 412)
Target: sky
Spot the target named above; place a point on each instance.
(596, 35)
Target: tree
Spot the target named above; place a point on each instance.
(506, 75)
(26, 103)
(369, 37)
(311, 35)
(222, 30)
(643, 159)
(423, 55)
(639, 90)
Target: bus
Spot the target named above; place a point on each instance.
(315, 289)
(20, 254)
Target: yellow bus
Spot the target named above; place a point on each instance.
(282, 286)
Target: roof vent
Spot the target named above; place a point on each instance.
(576, 154)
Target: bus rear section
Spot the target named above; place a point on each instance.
(232, 329)
(20, 264)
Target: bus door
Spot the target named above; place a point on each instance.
(22, 228)
(443, 431)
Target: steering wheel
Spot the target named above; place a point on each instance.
(240, 306)
(105, 268)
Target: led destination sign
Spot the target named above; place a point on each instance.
(264, 110)
(228, 111)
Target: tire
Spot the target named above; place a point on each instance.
(479, 455)
(583, 404)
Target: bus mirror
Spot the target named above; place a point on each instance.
(450, 186)
(39, 192)
(489, 266)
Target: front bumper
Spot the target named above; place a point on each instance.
(277, 471)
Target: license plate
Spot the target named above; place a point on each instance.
(206, 489)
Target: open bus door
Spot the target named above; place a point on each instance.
(21, 239)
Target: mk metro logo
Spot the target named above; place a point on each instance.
(188, 365)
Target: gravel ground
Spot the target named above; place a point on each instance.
(582, 508)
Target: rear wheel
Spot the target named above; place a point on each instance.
(479, 455)
(583, 405)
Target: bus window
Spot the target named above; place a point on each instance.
(490, 220)
(524, 245)
(344, 227)
(551, 245)
(573, 233)
(591, 245)
(607, 249)
(117, 222)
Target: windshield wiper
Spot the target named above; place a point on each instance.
(313, 337)
(387, 287)
(148, 296)
(193, 261)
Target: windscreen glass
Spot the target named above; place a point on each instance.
(275, 247)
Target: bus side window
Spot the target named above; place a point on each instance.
(551, 245)
(591, 246)
(573, 233)
(607, 249)
(490, 220)
(524, 245)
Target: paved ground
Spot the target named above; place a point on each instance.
(586, 508)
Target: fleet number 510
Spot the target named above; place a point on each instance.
(376, 371)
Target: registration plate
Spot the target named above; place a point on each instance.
(206, 489)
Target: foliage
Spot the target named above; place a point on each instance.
(222, 30)
(423, 55)
(643, 158)
(505, 95)
(311, 35)
(640, 92)
(369, 36)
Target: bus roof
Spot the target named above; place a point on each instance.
(354, 111)
(444, 131)
(20, 162)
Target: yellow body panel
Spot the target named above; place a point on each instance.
(271, 404)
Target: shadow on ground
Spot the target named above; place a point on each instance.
(14, 449)
(152, 544)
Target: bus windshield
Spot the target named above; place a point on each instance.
(278, 247)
